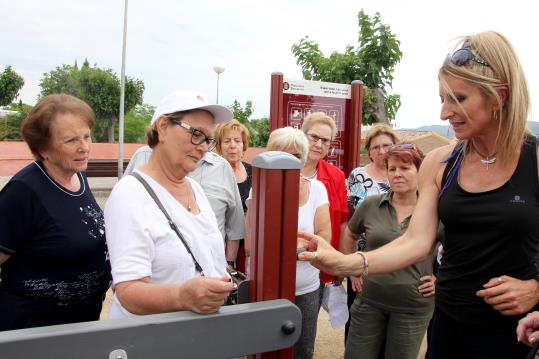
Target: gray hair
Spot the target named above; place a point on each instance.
(282, 139)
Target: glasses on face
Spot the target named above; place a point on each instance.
(314, 139)
(197, 137)
(378, 148)
(402, 146)
(463, 56)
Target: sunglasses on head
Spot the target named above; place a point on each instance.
(463, 56)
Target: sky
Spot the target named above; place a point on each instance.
(175, 44)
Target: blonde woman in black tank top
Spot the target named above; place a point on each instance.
(485, 189)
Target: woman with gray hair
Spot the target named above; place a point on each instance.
(166, 250)
(313, 217)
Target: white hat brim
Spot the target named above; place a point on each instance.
(221, 114)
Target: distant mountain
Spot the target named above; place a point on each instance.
(534, 126)
(447, 131)
(444, 130)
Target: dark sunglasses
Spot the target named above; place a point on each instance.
(463, 56)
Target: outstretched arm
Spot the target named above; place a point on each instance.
(410, 248)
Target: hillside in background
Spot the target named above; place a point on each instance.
(446, 130)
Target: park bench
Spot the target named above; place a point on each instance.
(103, 168)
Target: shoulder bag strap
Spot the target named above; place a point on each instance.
(170, 221)
(454, 161)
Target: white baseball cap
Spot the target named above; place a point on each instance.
(190, 100)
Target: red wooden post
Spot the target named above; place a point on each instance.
(273, 232)
(353, 128)
(276, 102)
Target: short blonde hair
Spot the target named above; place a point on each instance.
(232, 125)
(319, 118)
(378, 130)
(503, 70)
(282, 139)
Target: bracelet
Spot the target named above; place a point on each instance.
(365, 264)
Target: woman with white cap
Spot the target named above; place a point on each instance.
(166, 251)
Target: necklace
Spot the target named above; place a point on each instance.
(313, 176)
(487, 160)
(188, 198)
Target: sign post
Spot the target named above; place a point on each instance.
(293, 100)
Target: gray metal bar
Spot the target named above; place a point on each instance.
(236, 330)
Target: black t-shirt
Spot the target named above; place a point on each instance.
(58, 254)
(487, 235)
(245, 186)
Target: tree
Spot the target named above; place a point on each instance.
(136, 122)
(259, 132)
(242, 114)
(100, 88)
(10, 84)
(373, 62)
(258, 128)
(11, 124)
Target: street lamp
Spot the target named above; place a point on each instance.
(122, 102)
(218, 70)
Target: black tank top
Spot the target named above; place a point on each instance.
(487, 235)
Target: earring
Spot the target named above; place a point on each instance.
(495, 115)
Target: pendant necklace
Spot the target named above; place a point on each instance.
(487, 160)
(188, 198)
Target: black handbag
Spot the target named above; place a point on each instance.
(237, 278)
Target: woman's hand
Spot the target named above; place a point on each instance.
(204, 295)
(528, 329)
(428, 287)
(324, 257)
(357, 283)
(510, 296)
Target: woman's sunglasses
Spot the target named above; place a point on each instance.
(463, 56)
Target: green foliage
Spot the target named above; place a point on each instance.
(10, 84)
(136, 122)
(242, 114)
(373, 62)
(258, 128)
(10, 125)
(100, 88)
(259, 132)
